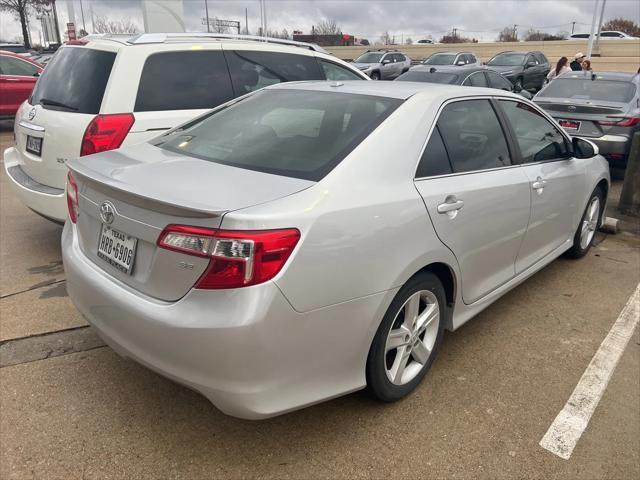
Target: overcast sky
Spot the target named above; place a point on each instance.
(365, 18)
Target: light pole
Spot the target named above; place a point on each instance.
(84, 27)
(604, 2)
(593, 30)
(206, 12)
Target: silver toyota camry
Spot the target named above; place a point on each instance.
(312, 239)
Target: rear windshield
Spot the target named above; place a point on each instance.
(74, 80)
(436, 77)
(587, 89)
(295, 133)
(440, 59)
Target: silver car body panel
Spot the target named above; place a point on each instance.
(365, 231)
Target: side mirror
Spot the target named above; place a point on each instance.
(583, 148)
(386, 61)
(517, 88)
(530, 64)
(37, 74)
(525, 94)
(460, 62)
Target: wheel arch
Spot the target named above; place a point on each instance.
(447, 276)
(603, 185)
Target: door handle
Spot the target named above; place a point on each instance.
(450, 206)
(538, 185)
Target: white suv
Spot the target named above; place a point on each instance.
(109, 91)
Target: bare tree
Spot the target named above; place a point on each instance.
(104, 24)
(620, 24)
(408, 41)
(538, 36)
(327, 27)
(21, 9)
(385, 38)
(508, 34)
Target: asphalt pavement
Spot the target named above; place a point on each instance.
(71, 408)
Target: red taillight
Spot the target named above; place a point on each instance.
(238, 258)
(106, 132)
(72, 198)
(621, 121)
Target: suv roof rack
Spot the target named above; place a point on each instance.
(147, 38)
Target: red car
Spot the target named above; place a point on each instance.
(18, 76)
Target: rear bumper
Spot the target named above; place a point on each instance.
(50, 202)
(612, 145)
(246, 349)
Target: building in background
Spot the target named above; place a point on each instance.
(163, 16)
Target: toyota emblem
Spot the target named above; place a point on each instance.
(571, 108)
(107, 212)
(32, 113)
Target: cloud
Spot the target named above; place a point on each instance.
(369, 18)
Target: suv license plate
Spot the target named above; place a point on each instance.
(117, 248)
(34, 145)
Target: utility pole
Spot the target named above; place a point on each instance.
(206, 13)
(515, 32)
(246, 21)
(593, 29)
(55, 20)
(604, 2)
(264, 7)
(84, 27)
(573, 26)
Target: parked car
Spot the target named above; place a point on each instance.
(122, 90)
(451, 58)
(426, 40)
(469, 76)
(17, 48)
(603, 107)
(526, 70)
(383, 64)
(604, 35)
(18, 76)
(270, 255)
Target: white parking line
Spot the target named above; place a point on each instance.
(566, 429)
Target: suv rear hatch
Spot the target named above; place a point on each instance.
(50, 126)
(150, 188)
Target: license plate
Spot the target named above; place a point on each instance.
(570, 124)
(34, 145)
(117, 248)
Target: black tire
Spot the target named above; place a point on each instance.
(375, 75)
(577, 250)
(378, 384)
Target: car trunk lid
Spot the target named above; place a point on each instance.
(149, 188)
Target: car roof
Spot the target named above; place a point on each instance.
(462, 69)
(619, 76)
(398, 90)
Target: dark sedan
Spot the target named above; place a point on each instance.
(475, 76)
(602, 107)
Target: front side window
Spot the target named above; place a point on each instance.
(539, 140)
(434, 160)
(473, 136)
(333, 71)
(15, 66)
(295, 133)
(183, 81)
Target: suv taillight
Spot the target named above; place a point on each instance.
(238, 258)
(106, 132)
(72, 198)
(621, 121)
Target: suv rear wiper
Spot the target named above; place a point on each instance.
(53, 103)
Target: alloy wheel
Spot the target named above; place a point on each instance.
(590, 222)
(412, 337)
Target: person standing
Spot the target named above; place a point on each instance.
(576, 65)
(561, 67)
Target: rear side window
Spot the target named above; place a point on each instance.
(498, 81)
(75, 80)
(295, 133)
(473, 136)
(435, 160)
(476, 80)
(183, 81)
(253, 70)
(540, 57)
(537, 138)
(333, 71)
(15, 66)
